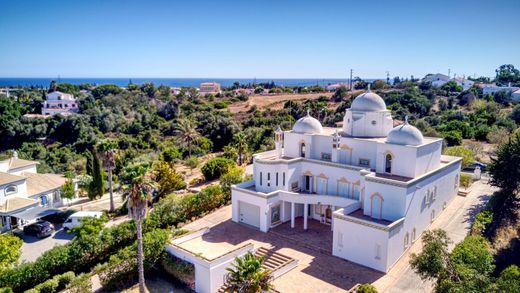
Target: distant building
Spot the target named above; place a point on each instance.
(439, 79)
(59, 103)
(207, 88)
(176, 90)
(5, 91)
(493, 88)
(25, 194)
(333, 87)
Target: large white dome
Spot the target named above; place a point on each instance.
(368, 102)
(308, 125)
(405, 134)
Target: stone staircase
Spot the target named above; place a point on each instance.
(277, 263)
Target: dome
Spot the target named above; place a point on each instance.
(368, 102)
(308, 124)
(405, 134)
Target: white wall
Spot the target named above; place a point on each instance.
(360, 244)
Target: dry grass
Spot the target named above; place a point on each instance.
(274, 102)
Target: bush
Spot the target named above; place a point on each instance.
(453, 137)
(233, 176)
(65, 279)
(122, 267)
(482, 219)
(216, 167)
(49, 286)
(81, 284)
(465, 180)
(366, 288)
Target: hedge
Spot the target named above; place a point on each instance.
(79, 255)
(83, 254)
(122, 267)
(56, 284)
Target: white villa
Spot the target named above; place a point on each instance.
(440, 79)
(26, 195)
(59, 103)
(377, 186)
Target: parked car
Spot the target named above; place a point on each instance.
(474, 165)
(39, 229)
(75, 219)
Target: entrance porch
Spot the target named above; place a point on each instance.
(317, 236)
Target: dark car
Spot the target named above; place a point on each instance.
(39, 229)
(474, 166)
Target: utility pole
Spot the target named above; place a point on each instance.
(388, 77)
(350, 80)
(449, 73)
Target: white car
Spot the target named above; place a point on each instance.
(75, 219)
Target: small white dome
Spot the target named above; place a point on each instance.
(368, 102)
(308, 125)
(405, 134)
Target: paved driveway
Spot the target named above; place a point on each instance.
(33, 246)
(456, 220)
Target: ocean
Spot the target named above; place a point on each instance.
(173, 82)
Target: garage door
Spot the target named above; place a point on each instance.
(249, 214)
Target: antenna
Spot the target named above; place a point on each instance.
(350, 81)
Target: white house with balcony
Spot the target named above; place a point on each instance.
(377, 186)
(59, 103)
(26, 195)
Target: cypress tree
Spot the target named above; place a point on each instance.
(97, 185)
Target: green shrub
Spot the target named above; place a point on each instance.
(6, 290)
(466, 180)
(216, 167)
(366, 288)
(65, 279)
(122, 266)
(49, 286)
(81, 284)
(482, 219)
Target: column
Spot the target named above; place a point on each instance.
(305, 213)
(292, 214)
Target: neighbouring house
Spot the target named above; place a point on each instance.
(493, 88)
(5, 91)
(26, 195)
(207, 88)
(439, 79)
(176, 90)
(378, 186)
(59, 103)
(335, 86)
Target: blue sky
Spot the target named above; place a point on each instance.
(245, 39)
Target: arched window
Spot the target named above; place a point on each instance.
(433, 215)
(388, 163)
(260, 178)
(406, 240)
(44, 200)
(302, 150)
(11, 189)
(414, 234)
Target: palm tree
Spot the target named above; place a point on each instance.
(139, 194)
(107, 150)
(248, 275)
(241, 144)
(187, 131)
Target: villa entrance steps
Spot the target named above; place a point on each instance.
(277, 263)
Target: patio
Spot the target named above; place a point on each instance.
(317, 270)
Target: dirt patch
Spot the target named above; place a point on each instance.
(274, 102)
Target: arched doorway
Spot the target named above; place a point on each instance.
(388, 163)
